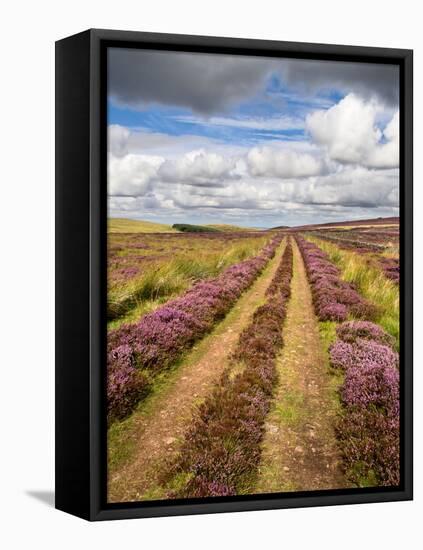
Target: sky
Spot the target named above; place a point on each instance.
(251, 141)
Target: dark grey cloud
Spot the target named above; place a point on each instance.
(366, 79)
(200, 184)
(202, 82)
(350, 203)
(208, 84)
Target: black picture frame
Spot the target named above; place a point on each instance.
(81, 208)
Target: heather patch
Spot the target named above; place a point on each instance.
(352, 330)
(391, 268)
(370, 443)
(369, 428)
(333, 298)
(344, 355)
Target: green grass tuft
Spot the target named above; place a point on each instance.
(327, 331)
(290, 410)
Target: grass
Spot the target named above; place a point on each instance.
(327, 331)
(370, 282)
(145, 292)
(290, 410)
(391, 252)
(156, 285)
(162, 280)
(356, 472)
(123, 225)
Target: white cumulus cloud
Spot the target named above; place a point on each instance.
(131, 175)
(283, 163)
(118, 137)
(275, 123)
(349, 132)
(198, 168)
(386, 155)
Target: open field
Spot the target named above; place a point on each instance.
(252, 362)
(123, 225)
(145, 270)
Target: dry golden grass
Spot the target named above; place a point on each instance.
(123, 225)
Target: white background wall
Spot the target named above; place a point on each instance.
(28, 32)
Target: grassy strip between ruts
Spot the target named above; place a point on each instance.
(222, 447)
(370, 282)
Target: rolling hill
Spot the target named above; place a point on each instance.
(123, 225)
(394, 220)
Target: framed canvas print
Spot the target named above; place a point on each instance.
(234, 274)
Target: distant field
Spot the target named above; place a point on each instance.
(123, 225)
(361, 226)
(380, 222)
(230, 228)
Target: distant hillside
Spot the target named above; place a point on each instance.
(351, 223)
(123, 225)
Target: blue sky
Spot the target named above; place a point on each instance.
(251, 141)
(274, 102)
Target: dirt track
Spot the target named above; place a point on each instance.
(299, 451)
